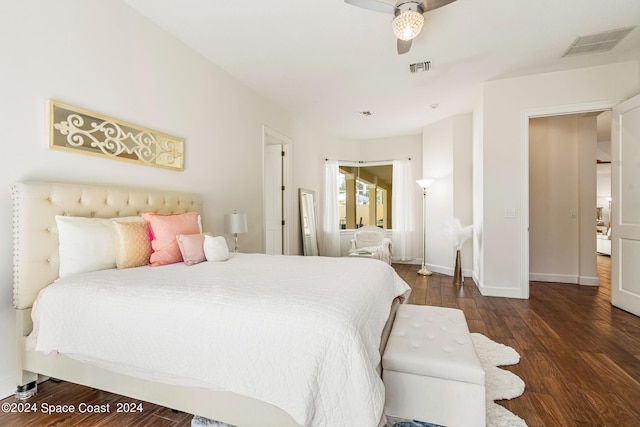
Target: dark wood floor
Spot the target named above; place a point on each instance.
(580, 357)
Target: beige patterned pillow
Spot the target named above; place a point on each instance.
(133, 247)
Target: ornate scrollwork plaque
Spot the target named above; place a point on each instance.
(82, 131)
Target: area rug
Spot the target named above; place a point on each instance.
(500, 385)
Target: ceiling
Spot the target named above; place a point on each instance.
(326, 61)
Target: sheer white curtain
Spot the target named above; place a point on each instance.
(331, 213)
(402, 210)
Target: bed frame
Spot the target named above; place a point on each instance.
(36, 263)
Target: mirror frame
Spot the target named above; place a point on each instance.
(308, 223)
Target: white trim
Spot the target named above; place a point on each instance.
(498, 291)
(588, 281)
(447, 271)
(476, 279)
(525, 115)
(564, 278)
(414, 261)
(287, 147)
(440, 269)
(554, 278)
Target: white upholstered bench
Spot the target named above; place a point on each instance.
(431, 371)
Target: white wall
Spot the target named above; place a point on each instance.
(478, 191)
(587, 183)
(105, 57)
(310, 149)
(447, 158)
(553, 196)
(562, 187)
(505, 105)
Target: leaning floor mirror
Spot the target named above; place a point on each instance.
(308, 222)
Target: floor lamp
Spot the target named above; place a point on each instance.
(424, 184)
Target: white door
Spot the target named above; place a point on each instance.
(273, 198)
(625, 206)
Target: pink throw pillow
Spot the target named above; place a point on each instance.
(192, 247)
(164, 229)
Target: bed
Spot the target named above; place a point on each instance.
(244, 285)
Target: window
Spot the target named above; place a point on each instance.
(364, 195)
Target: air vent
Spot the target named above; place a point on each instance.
(420, 66)
(600, 42)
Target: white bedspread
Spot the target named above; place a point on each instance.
(299, 332)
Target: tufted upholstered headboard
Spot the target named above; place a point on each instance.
(35, 237)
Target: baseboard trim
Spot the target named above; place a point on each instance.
(564, 278)
(558, 278)
(588, 281)
(406, 261)
(496, 291)
(440, 269)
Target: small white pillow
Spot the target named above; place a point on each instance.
(215, 248)
(85, 244)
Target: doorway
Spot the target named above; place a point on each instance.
(525, 190)
(603, 198)
(276, 177)
(569, 179)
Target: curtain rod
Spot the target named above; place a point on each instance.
(363, 161)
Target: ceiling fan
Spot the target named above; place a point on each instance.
(408, 16)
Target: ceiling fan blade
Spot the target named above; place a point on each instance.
(403, 46)
(428, 5)
(375, 5)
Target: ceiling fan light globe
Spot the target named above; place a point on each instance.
(407, 25)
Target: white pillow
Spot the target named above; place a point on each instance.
(215, 248)
(86, 244)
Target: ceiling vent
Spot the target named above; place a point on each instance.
(420, 66)
(600, 42)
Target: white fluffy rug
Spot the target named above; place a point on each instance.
(500, 384)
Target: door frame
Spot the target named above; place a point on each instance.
(524, 170)
(271, 136)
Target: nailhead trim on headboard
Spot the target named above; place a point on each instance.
(16, 239)
(35, 235)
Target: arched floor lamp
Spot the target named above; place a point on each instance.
(424, 184)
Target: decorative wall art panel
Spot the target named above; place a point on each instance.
(81, 131)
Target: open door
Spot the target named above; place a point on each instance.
(273, 189)
(625, 206)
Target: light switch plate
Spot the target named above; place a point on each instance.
(509, 212)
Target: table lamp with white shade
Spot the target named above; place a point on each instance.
(235, 223)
